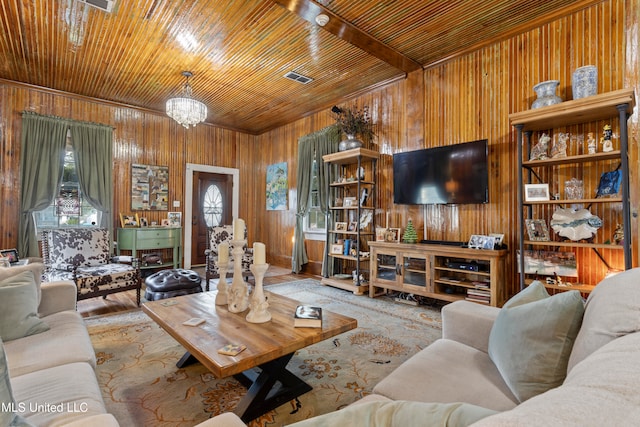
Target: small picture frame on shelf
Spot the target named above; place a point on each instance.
(536, 192)
(349, 202)
(337, 249)
(353, 226)
(341, 226)
(392, 235)
(380, 234)
(11, 255)
(478, 241)
(166, 222)
(144, 222)
(537, 230)
(499, 238)
(129, 220)
(175, 219)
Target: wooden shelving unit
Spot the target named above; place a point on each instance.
(613, 105)
(350, 183)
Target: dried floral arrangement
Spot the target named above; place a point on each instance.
(354, 121)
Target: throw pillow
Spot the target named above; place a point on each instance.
(19, 307)
(401, 413)
(8, 416)
(612, 310)
(37, 268)
(532, 337)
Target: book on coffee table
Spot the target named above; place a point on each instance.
(307, 316)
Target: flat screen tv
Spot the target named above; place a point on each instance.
(453, 174)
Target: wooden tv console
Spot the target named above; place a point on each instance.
(443, 272)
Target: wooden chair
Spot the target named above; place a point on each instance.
(83, 256)
(217, 235)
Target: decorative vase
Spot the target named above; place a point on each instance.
(349, 143)
(546, 92)
(584, 81)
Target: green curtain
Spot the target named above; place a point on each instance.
(42, 160)
(92, 148)
(312, 147)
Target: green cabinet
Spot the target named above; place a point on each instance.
(150, 239)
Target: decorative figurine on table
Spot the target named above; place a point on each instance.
(591, 143)
(539, 151)
(607, 144)
(559, 147)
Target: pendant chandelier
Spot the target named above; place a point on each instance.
(184, 109)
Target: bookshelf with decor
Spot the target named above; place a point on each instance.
(565, 203)
(352, 218)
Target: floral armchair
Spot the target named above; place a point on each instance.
(217, 235)
(83, 256)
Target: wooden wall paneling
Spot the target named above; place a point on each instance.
(468, 97)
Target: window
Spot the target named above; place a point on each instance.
(315, 226)
(212, 206)
(69, 208)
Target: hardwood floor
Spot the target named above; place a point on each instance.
(124, 301)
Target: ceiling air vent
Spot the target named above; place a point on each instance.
(104, 5)
(291, 75)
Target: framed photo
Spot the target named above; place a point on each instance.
(349, 202)
(353, 226)
(537, 230)
(380, 234)
(129, 220)
(549, 263)
(499, 238)
(166, 222)
(175, 219)
(341, 226)
(337, 249)
(392, 235)
(144, 222)
(536, 192)
(11, 254)
(478, 241)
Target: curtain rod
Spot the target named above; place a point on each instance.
(65, 120)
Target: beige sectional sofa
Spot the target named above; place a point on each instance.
(597, 369)
(51, 373)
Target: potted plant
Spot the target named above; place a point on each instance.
(353, 122)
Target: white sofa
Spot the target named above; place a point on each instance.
(601, 387)
(51, 373)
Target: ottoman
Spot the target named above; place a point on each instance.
(171, 283)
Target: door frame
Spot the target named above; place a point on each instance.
(188, 200)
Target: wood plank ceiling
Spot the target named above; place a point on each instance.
(239, 51)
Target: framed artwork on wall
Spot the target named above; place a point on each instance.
(149, 188)
(277, 187)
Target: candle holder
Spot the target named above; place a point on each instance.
(222, 297)
(238, 293)
(258, 304)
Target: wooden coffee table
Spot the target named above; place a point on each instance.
(270, 345)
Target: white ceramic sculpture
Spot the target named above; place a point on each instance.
(575, 224)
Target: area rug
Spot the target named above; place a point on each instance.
(142, 386)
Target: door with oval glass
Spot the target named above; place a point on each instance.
(212, 206)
